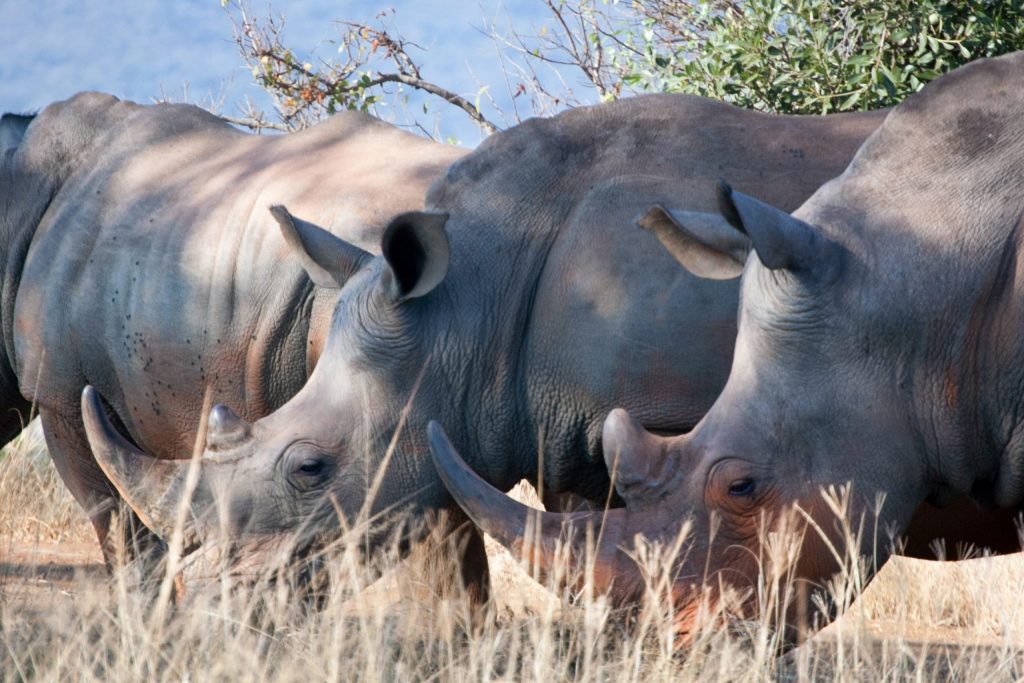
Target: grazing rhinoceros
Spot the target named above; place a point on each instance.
(521, 309)
(139, 257)
(881, 342)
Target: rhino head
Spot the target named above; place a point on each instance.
(320, 463)
(838, 378)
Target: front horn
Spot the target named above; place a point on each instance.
(152, 487)
(542, 538)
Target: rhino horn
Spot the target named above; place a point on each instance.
(554, 544)
(152, 487)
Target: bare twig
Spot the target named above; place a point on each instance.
(257, 124)
(371, 58)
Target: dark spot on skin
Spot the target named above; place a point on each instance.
(976, 132)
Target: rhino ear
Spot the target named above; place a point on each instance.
(704, 243)
(780, 240)
(415, 246)
(329, 260)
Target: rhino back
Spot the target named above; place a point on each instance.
(608, 318)
(157, 273)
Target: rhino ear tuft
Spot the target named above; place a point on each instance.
(415, 246)
(328, 260)
(704, 243)
(780, 240)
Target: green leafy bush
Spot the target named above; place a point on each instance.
(809, 56)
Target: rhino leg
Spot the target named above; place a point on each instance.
(473, 567)
(123, 538)
(454, 536)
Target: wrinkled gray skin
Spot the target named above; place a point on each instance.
(139, 257)
(525, 317)
(881, 340)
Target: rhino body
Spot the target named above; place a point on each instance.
(139, 257)
(880, 344)
(520, 310)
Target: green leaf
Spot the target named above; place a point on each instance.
(850, 102)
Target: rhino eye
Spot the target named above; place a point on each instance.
(742, 488)
(311, 468)
(308, 469)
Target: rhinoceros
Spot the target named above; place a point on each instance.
(880, 346)
(139, 257)
(520, 308)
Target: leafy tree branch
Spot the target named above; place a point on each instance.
(370, 59)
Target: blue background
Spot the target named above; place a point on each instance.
(145, 49)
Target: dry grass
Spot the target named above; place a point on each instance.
(35, 506)
(62, 618)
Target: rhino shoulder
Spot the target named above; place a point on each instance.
(63, 132)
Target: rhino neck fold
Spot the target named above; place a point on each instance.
(489, 301)
(971, 415)
(324, 303)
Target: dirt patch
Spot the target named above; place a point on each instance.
(34, 577)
